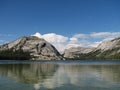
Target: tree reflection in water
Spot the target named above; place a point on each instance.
(28, 73)
(48, 75)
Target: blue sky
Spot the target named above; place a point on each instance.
(62, 17)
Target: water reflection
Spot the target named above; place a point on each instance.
(28, 73)
(48, 75)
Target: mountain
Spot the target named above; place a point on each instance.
(106, 50)
(110, 44)
(31, 47)
(74, 52)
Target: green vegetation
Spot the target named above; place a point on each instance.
(112, 54)
(14, 55)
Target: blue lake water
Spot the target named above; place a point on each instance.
(60, 75)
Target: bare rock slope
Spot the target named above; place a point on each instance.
(75, 51)
(106, 50)
(38, 48)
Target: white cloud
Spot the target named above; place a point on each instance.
(3, 38)
(95, 44)
(58, 41)
(37, 34)
(84, 40)
(2, 42)
(71, 45)
(100, 34)
(105, 35)
(5, 35)
(54, 38)
(73, 39)
(80, 36)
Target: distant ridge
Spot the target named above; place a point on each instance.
(106, 50)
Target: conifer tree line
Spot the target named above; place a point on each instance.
(9, 54)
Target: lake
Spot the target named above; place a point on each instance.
(60, 75)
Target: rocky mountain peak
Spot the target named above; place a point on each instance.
(39, 48)
(110, 44)
(106, 50)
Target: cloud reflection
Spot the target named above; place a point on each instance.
(50, 76)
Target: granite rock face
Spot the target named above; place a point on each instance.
(106, 50)
(75, 51)
(38, 48)
(110, 44)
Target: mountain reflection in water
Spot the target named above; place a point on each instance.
(50, 76)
